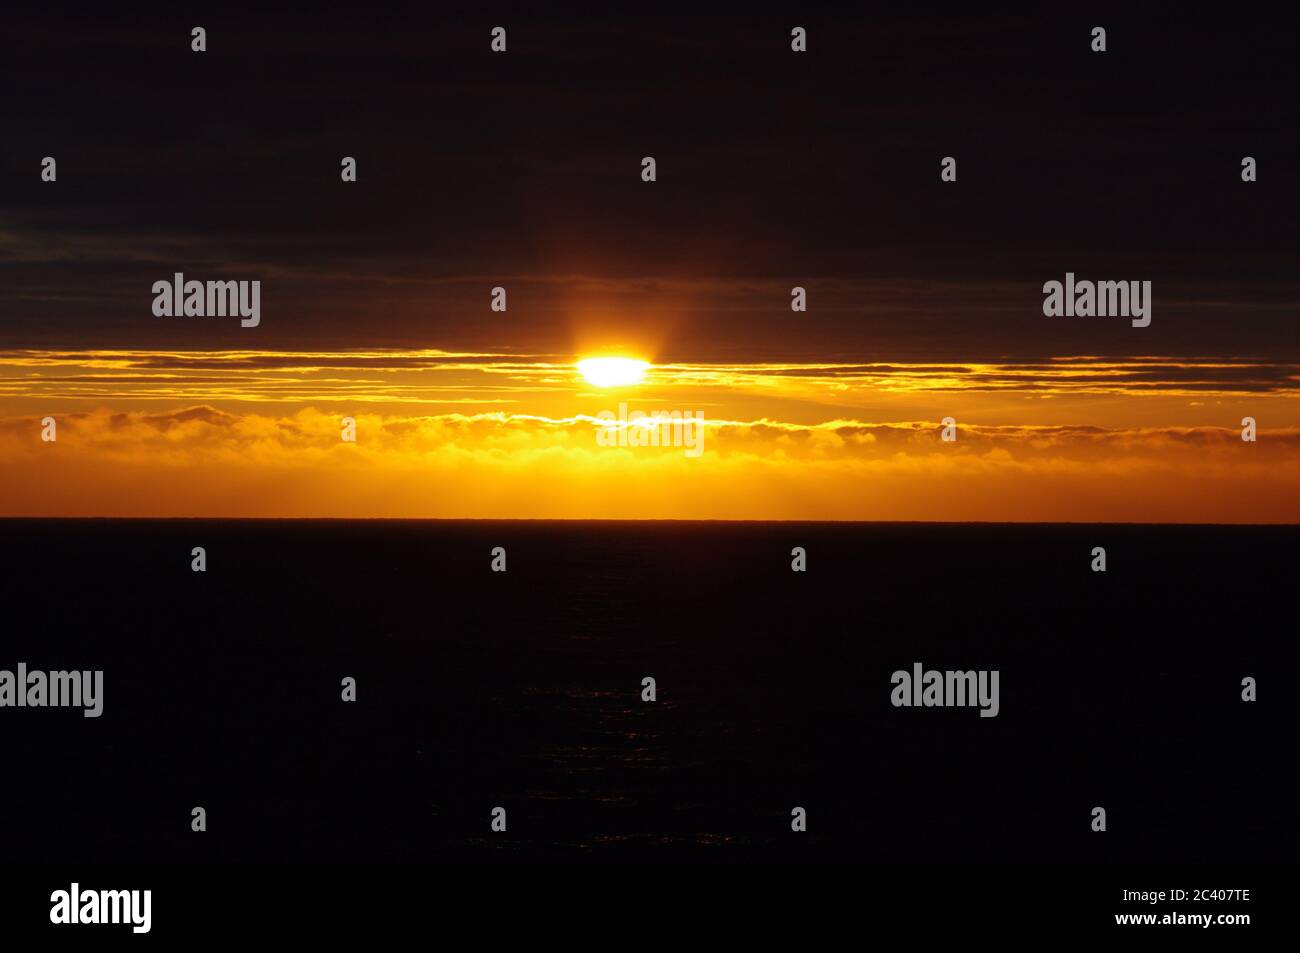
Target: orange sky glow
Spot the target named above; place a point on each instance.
(485, 435)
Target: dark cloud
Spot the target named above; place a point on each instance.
(774, 170)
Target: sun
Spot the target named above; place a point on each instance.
(612, 371)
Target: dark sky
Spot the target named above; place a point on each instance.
(775, 169)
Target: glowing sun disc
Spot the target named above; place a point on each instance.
(612, 371)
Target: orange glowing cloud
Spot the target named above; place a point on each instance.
(202, 461)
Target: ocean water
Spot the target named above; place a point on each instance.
(523, 690)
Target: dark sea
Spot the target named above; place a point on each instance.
(522, 690)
